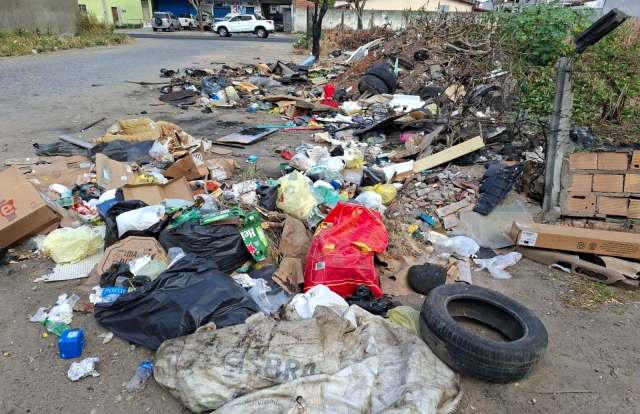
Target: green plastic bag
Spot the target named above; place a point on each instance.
(405, 316)
(72, 245)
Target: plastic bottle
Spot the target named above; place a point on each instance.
(253, 108)
(139, 380)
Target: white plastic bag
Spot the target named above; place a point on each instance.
(496, 265)
(460, 245)
(371, 200)
(159, 149)
(139, 219)
(67, 245)
(335, 164)
(320, 295)
(267, 303)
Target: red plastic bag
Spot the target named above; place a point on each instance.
(341, 252)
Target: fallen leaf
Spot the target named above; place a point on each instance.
(118, 398)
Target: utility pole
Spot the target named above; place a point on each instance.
(558, 139)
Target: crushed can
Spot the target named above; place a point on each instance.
(254, 237)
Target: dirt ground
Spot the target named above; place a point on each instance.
(592, 363)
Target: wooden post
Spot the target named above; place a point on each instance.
(558, 139)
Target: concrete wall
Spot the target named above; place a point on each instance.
(429, 5)
(57, 15)
(397, 19)
(129, 11)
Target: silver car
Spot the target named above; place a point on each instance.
(165, 21)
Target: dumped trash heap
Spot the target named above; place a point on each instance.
(280, 294)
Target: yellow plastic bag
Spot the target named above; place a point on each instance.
(68, 245)
(387, 191)
(146, 179)
(354, 157)
(405, 316)
(294, 196)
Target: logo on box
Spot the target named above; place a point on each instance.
(8, 210)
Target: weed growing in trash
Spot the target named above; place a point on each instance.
(90, 32)
(589, 295)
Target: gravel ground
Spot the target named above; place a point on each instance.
(595, 353)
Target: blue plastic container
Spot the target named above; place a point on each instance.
(71, 344)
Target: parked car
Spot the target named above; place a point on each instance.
(188, 21)
(165, 21)
(245, 23)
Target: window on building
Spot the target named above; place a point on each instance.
(82, 7)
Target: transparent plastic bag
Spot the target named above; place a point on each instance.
(460, 245)
(301, 162)
(496, 265)
(405, 316)
(387, 191)
(69, 245)
(139, 219)
(294, 196)
(267, 302)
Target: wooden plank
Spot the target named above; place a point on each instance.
(452, 208)
(81, 144)
(49, 167)
(66, 160)
(613, 206)
(613, 161)
(449, 154)
(634, 210)
(635, 160)
(583, 161)
(22, 161)
(582, 203)
(608, 183)
(581, 183)
(632, 183)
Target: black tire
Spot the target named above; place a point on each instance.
(472, 354)
(171, 28)
(179, 27)
(430, 92)
(372, 84)
(223, 32)
(385, 73)
(155, 30)
(261, 33)
(190, 27)
(158, 21)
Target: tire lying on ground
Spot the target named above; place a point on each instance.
(385, 73)
(372, 84)
(474, 355)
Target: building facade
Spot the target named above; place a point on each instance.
(120, 12)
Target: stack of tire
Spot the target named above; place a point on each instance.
(379, 79)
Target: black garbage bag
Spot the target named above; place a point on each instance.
(213, 84)
(108, 278)
(268, 197)
(220, 244)
(371, 177)
(62, 148)
(266, 273)
(124, 151)
(190, 294)
(88, 191)
(363, 297)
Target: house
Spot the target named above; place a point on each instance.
(120, 12)
(447, 6)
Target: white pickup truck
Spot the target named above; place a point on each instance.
(245, 23)
(188, 21)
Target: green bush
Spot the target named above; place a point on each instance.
(87, 23)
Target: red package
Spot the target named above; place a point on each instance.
(341, 252)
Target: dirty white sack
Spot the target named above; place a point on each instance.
(324, 364)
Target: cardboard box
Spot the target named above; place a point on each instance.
(130, 249)
(24, 210)
(191, 167)
(221, 168)
(153, 194)
(112, 174)
(574, 239)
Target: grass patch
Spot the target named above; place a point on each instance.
(589, 295)
(90, 32)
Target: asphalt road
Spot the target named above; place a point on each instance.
(56, 93)
(212, 37)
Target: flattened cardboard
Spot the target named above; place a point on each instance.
(113, 174)
(575, 239)
(153, 194)
(130, 249)
(191, 167)
(24, 210)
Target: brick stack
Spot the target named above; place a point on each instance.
(604, 185)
